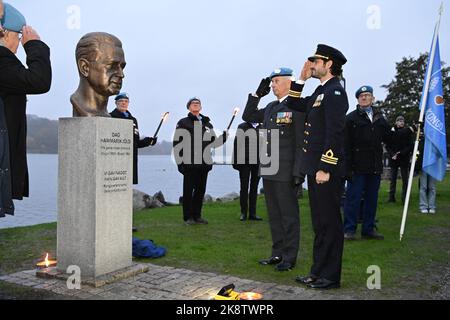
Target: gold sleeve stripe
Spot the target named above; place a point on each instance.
(329, 158)
(295, 94)
(326, 160)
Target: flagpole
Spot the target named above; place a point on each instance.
(422, 116)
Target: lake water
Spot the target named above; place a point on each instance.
(156, 173)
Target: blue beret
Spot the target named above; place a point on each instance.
(328, 53)
(364, 89)
(282, 72)
(122, 95)
(191, 101)
(13, 20)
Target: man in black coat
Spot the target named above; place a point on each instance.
(366, 130)
(400, 151)
(246, 161)
(122, 112)
(16, 81)
(282, 132)
(193, 142)
(322, 161)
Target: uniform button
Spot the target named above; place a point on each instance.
(282, 132)
(309, 125)
(268, 131)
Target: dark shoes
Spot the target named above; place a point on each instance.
(201, 221)
(372, 236)
(284, 266)
(349, 236)
(192, 222)
(251, 218)
(324, 284)
(270, 261)
(306, 280)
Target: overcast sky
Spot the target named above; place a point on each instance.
(220, 50)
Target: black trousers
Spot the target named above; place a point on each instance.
(327, 224)
(194, 189)
(404, 170)
(249, 176)
(284, 219)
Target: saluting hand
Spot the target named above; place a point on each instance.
(28, 34)
(322, 177)
(306, 72)
(264, 88)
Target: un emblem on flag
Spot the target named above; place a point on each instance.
(439, 100)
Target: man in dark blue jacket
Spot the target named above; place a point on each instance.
(322, 161)
(193, 143)
(366, 130)
(16, 81)
(122, 112)
(246, 161)
(283, 132)
(400, 151)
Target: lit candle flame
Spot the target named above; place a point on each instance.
(236, 111)
(250, 296)
(166, 116)
(47, 263)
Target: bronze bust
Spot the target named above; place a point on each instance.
(100, 60)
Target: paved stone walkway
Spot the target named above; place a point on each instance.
(167, 283)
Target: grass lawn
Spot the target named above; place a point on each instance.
(228, 246)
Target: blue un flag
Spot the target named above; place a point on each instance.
(435, 151)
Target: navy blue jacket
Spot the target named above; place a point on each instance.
(137, 142)
(363, 142)
(16, 81)
(207, 141)
(323, 146)
(290, 125)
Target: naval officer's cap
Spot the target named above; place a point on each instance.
(328, 53)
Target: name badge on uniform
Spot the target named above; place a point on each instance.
(284, 118)
(318, 102)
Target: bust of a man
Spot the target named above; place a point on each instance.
(100, 61)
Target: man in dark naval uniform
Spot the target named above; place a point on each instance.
(322, 161)
(122, 112)
(280, 186)
(193, 142)
(16, 82)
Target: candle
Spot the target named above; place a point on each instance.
(235, 112)
(164, 119)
